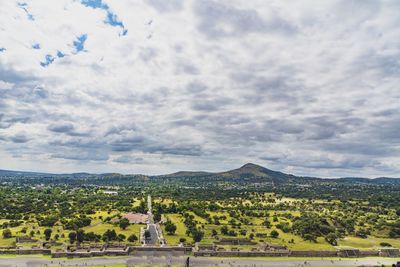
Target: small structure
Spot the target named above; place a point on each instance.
(109, 192)
(389, 252)
(25, 239)
(235, 241)
(273, 247)
(134, 218)
(205, 247)
(349, 253)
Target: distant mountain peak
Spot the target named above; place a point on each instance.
(251, 166)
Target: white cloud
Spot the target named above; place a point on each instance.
(311, 89)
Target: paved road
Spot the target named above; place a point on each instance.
(153, 240)
(200, 261)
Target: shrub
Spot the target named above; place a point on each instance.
(7, 233)
(132, 238)
(274, 234)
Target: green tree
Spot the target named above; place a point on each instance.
(123, 223)
(331, 238)
(80, 236)
(132, 238)
(310, 237)
(197, 235)
(109, 235)
(274, 234)
(121, 237)
(7, 233)
(147, 234)
(267, 223)
(47, 234)
(72, 237)
(170, 227)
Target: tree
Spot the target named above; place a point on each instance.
(132, 238)
(80, 235)
(170, 227)
(147, 234)
(72, 237)
(274, 234)
(109, 235)
(385, 244)
(197, 235)
(123, 223)
(214, 232)
(47, 234)
(362, 233)
(331, 238)
(224, 230)
(267, 223)
(310, 237)
(182, 240)
(7, 233)
(121, 237)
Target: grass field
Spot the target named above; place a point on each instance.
(367, 243)
(180, 229)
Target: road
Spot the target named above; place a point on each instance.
(200, 261)
(153, 240)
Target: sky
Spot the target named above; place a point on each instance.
(154, 86)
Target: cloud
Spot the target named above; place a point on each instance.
(111, 18)
(166, 6)
(225, 20)
(296, 87)
(61, 127)
(128, 159)
(19, 138)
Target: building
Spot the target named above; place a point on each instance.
(136, 218)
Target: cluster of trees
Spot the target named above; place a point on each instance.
(191, 226)
(310, 226)
(108, 236)
(170, 227)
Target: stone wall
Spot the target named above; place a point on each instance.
(242, 253)
(313, 253)
(8, 251)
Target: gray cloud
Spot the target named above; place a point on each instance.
(61, 127)
(19, 138)
(218, 20)
(128, 159)
(166, 6)
(296, 87)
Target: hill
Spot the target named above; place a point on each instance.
(247, 173)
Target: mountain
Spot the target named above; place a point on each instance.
(247, 173)
(188, 174)
(251, 170)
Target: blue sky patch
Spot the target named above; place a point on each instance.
(79, 44)
(60, 54)
(95, 4)
(48, 60)
(111, 19)
(24, 7)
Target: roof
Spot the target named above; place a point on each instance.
(136, 217)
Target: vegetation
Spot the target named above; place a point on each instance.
(261, 206)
